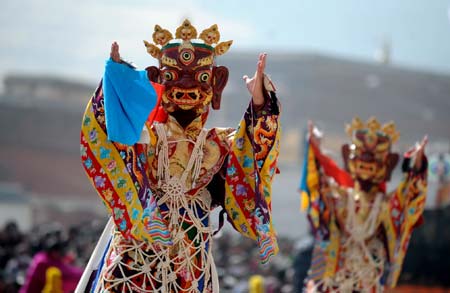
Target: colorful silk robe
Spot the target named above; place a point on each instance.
(163, 242)
(326, 190)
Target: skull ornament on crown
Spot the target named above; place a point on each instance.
(187, 68)
(369, 158)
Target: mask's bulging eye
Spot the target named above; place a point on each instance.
(203, 76)
(186, 57)
(169, 75)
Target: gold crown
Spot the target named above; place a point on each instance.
(373, 126)
(187, 32)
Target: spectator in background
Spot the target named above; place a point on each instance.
(10, 237)
(50, 258)
(443, 173)
(302, 260)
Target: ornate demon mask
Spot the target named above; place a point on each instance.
(187, 68)
(369, 159)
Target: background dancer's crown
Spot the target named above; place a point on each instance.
(185, 33)
(372, 126)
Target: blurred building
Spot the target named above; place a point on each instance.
(39, 151)
(38, 91)
(15, 206)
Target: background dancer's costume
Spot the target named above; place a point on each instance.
(161, 175)
(361, 232)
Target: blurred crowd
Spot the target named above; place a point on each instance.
(427, 262)
(238, 265)
(44, 246)
(236, 258)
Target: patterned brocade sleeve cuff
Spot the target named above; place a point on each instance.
(262, 123)
(412, 189)
(408, 166)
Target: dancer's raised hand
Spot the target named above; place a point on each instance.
(256, 83)
(115, 55)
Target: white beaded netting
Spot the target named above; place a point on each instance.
(185, 266)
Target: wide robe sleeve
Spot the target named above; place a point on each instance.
(402, 214)
(251, 165)
(316, 167)
(113, 161)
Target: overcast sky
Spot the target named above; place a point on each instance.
(72, 38)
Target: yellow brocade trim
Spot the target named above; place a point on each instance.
(401, 188)
(105, 152)
(332, 249)
(391, 234)
(153, 137)
(85, 127)
(304, 201)
(244, 153)
(312, 182)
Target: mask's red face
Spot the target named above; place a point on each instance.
(369, 159)
(190, 78)
(368, 156)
